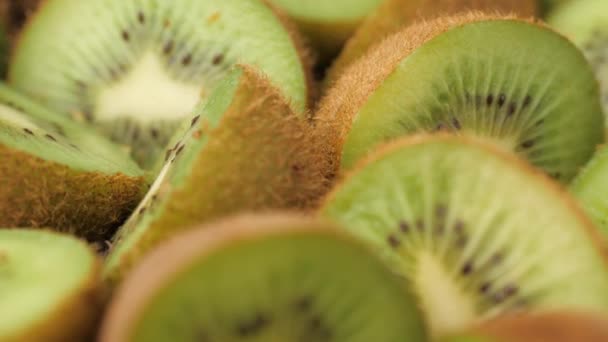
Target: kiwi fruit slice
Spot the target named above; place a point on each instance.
(49, 287)
(328, 24)
(591, 186)
(550, 326)
(584, 22)
(298, 280)
(60, 174)
(392, 15)
(245, 150)
(497, 83)
(136, 69)
(475, 230)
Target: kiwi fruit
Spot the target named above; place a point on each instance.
(475, 230)
(299, 279)
(246, 149)
(584, 22)
(392, 15)
(327, 24)
(136, 69)
(49, 287)
(60, 174)
(550, 326)
(496, 83)
(591, 186)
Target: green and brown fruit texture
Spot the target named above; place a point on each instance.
(327, 24)
(476, 231)
(393, 15)
(58, 173)
(496, 83)
(14, 14)
(552, 326)
(136, 69)
(246, 149)
(274, 277)
(49, 287)
(586, 24)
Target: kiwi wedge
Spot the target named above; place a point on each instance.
(136, 69)
(392, 15)
(475, 230)
(591, 186)
(245, 150)
(48, 287)
(586, 24)
(496, 83)
(328, 24)
(551, 326)
(60, 174)
(274, 277)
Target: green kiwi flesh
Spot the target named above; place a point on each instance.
(60, 174)
(496, 83)
(476, 231)
(585, 23)
(47, 287)
(591, 186)
(137, 68)
(263, 278)
(244, 150)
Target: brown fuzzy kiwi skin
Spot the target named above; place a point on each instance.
(262, 156)
(337, 109)
(599, 241)
(77, 318)
(544, 327)
(40, 193)
(393, 15)
(304, 49)
(172, 257)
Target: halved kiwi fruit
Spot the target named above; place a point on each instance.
(393, 15)
(561, 326)
(137, 68)
(49, 287)
(586, 24)
(263, 278)
(245, 150)
(591, 186)
(476, 231)
(60, 174)
(475, 73)
(328, 24)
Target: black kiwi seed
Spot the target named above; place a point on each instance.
(501, 100)
(527, 101)
(125, 36)
(467, 268)
(303, 304)
(404, 227)
(217, 59)
(141, 18)
(527, 144)
(490, 99)
(168, 47)
(187, 60)
(253, 327)
(28, 131)
(485, 287)
(393, 241)
(512, 109)
(194, 120)
(50, 137)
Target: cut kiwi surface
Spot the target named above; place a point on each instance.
(591, 186)
(48, 287)
(496, 83)
(586, 24)
(476, 231)
(137, 68)
(328, 24)
(245, 150)
(60, 174)
(263, 278)
(553, 326)
(392, 15)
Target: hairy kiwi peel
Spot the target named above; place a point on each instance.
(246, 150)
(558, 326)
(381, 96)
(292, 245)
(393, 15)
(143, 74)
(75, 317)
(403, 218)
(49, 177)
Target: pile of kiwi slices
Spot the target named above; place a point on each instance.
(303, 171)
